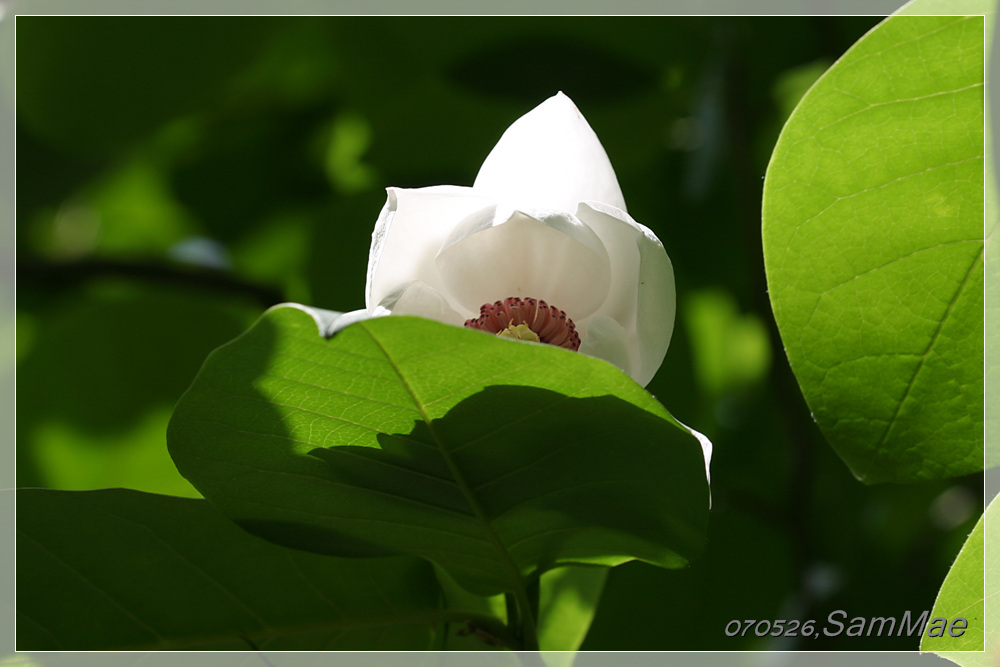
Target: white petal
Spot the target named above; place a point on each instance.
(548, 255)
(416, 298)
(642, 296)
(607, 339)
(549, 158)
(409, 232)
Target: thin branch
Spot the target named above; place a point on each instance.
(65, 274)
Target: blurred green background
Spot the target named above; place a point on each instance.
(175, 176)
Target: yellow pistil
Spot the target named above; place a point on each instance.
(520, 332)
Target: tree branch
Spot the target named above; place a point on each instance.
(50, 274)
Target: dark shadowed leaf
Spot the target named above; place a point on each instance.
(118, 569)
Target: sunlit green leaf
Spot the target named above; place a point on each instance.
(569, 598)
(119, 569)
(873, 243)
(972, 591)
(495, 459)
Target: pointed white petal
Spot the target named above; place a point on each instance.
(549, 158)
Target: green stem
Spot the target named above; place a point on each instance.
(525, 621)
(533, 589)
(513, 618)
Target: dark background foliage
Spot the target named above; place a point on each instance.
(178, 175)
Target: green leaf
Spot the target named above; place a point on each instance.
(873, 246)
(117, 569)
(972, 591)
(568, 602)
(495, 459)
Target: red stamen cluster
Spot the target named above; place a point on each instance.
(550, 323)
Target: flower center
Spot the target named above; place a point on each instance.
(527, 319)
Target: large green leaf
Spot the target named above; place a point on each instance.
(972, 591)
(873, 245)
(495, 459)
(120, 569)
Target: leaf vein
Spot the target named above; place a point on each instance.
(877, 449)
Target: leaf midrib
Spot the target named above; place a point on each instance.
(877, 450)
(503, 557)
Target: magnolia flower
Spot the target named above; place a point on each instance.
(539, 248)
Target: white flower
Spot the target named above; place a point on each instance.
(545, 220)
